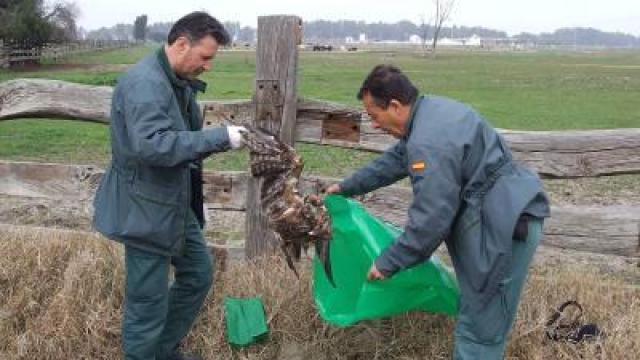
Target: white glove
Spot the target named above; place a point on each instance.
(235, 136)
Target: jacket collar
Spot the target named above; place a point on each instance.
(415, 105)
(196, 85)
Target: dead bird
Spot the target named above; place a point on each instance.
(297, 220)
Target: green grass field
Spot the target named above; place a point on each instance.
(517, 90)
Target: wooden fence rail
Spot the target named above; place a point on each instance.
(613, 230)
(605, 230)
(553, 154)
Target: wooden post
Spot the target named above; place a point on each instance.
(275, 103)
(4, 56)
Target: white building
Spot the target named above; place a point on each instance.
(415, 39)
(474, 40)
(450, 42)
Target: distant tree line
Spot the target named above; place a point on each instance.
(323, 30)
(581, 37)
(320, 30)
(158, 31)
(338, 31)
(33, 23)
(115, 32)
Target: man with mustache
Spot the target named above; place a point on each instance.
(150, 197)
(468, 192)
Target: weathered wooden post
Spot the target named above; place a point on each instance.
(275, 102)
(4, 56)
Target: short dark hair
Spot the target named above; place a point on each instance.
(385, 83)
(196, 26)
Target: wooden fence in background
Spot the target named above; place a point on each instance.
(14, 55)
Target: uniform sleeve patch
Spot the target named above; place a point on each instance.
(418, 165)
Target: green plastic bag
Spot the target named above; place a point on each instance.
(358, 239)
(245, 320)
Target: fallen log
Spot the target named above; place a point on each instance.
(23, 98)
(553, 154)
(612, 230)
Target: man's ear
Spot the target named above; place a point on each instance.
(395, 105)
(182, 43)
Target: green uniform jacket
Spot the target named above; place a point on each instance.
(156, 137)
(467, 192)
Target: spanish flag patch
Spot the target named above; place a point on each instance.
(418, 165)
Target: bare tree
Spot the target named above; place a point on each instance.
(424, 32)
(63, 17)
(233, 27)
(442, 12)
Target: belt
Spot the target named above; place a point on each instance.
(128, 174)
(521, 230)
(495, 171)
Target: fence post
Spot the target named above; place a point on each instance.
(4, 56)
(275, 103)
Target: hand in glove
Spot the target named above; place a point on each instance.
(235, 136)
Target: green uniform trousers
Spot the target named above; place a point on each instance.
(483, 335)
(156, 316)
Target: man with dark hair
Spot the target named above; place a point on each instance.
(196, 26)
(150, 197)
(468, 192)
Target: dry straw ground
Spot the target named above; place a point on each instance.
(61, 297)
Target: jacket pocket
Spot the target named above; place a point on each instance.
(155, 193)
(468, 239)
(153, 216)
(469, 221)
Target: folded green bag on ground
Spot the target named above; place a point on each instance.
(358, 239)
(245, 320)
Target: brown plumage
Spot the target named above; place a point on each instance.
(297, 220)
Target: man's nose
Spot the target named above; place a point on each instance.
(375, 125)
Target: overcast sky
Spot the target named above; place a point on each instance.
(512, 16)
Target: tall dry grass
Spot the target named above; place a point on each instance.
(62, 293)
